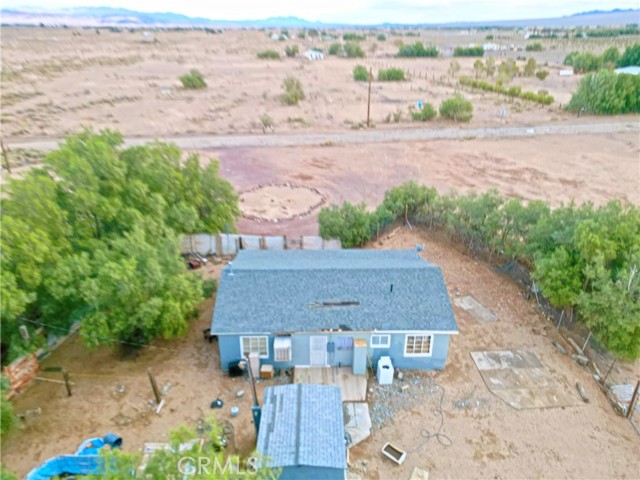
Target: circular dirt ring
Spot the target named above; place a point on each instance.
(275, 203)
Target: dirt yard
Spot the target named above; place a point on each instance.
(489, 440)
(56, 81)
(594, 168)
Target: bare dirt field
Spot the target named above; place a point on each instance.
(490, 439)
(56, 81)
(585, 168)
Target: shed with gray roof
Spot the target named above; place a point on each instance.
(307, 308)
(302, 431)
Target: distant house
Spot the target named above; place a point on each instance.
(313, 55)
(302, 432)
(631, 70)
(321, 308)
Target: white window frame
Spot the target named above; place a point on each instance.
(250, 338)
(423, 335)
(380, 336)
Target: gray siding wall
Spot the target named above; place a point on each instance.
(230, 350)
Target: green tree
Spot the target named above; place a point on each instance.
(417, 49)
(94, 237)
(631, 56)
(530, 67)
(454, 68)
(607, 93)
(479, 67)
(490, 66)
(352, 224)
(610, 57)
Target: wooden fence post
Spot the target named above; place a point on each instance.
(65, 376)
(634, 399)
(154, 386)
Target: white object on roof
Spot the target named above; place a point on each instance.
(313, 55)
(630, 70)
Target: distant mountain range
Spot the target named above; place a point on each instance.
(107, 16)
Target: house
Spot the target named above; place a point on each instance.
(302, 432)
(333, 308)
(313, 55)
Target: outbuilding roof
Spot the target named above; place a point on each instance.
(302, 425)
(269, 291)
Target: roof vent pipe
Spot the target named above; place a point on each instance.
(391, 289)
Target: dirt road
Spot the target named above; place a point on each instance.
(361, 136)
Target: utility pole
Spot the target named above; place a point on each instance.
(369, 97)
(255, 410)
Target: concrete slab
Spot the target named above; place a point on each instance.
(357, 421)
(519, 379)
(419, 474)
(475, 309)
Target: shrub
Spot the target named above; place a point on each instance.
(291, 51)
(350, 223)
(583, 62)
(269, 55)
(193, 80)
(391, 75)
(489, 37)
(348, 37)
(457, 108)
(335, 49)
(542, 96)
(417, 49)
(468, 51)
(530, 68)
(360, 73)
(353, 50)
(7, 419)
(542, 74)
(209, 287)
(534, 47)
(293, 91)
(631, 56)
(607, 93)
(381, 37)
(427, 112)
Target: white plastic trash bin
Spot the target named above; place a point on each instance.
(385, 371)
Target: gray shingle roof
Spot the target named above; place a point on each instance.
(302, 425)
(267, 291)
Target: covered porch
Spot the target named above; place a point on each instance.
(353, 387)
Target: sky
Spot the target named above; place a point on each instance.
(349, 11)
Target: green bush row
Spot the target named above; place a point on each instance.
(541, 97)
(391, 75)
(533, 47)
(583, 62)
(417, 49)
(268, 55)
(468, 51)
(583, 257)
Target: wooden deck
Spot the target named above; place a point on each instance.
(353, 387)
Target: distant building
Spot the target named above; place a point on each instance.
(302, 431)
(313, 55)
(630, 70)
(566, 73)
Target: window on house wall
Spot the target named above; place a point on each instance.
(380, 341)
(257, 345)
(417, 345)
(282, 349)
